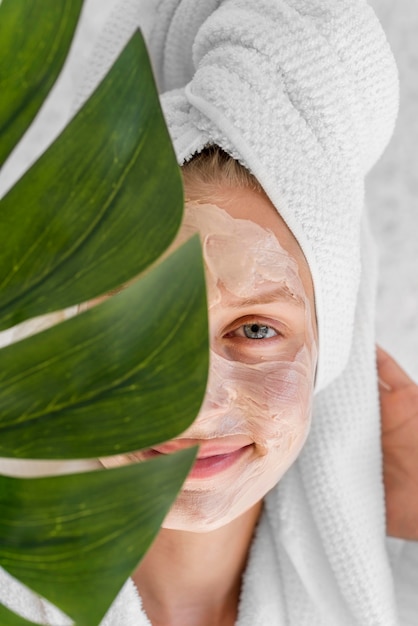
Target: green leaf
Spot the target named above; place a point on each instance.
(75, 539)
(34, 40)
(8, 618)
(99, 206)
(122, 376)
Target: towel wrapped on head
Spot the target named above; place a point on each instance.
(304, 94)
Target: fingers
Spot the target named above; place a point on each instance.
(391, 375)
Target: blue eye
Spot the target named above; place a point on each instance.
(258, 331)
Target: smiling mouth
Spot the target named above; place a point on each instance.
(212, 458)
(206, 467)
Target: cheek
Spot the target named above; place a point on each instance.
(278, 404)
(277, 407)
(275, 414)
(268, 401)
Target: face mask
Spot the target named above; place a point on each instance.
(257, 409)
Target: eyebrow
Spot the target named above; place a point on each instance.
(282, 294)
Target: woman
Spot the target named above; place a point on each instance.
(303, 95)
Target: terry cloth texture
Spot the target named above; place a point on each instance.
(304, 93)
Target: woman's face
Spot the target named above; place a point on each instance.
(257, 409)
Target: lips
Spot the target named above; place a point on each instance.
(214, 456)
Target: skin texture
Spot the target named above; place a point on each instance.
(194, 579)
(399, 412)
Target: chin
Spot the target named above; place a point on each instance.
(203, 513)
(193, 526)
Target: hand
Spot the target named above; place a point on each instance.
(399, 414)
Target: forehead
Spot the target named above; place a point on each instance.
(245, 263)
(263, 225)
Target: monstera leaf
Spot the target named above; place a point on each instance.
(97, 209)
(34, 41)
